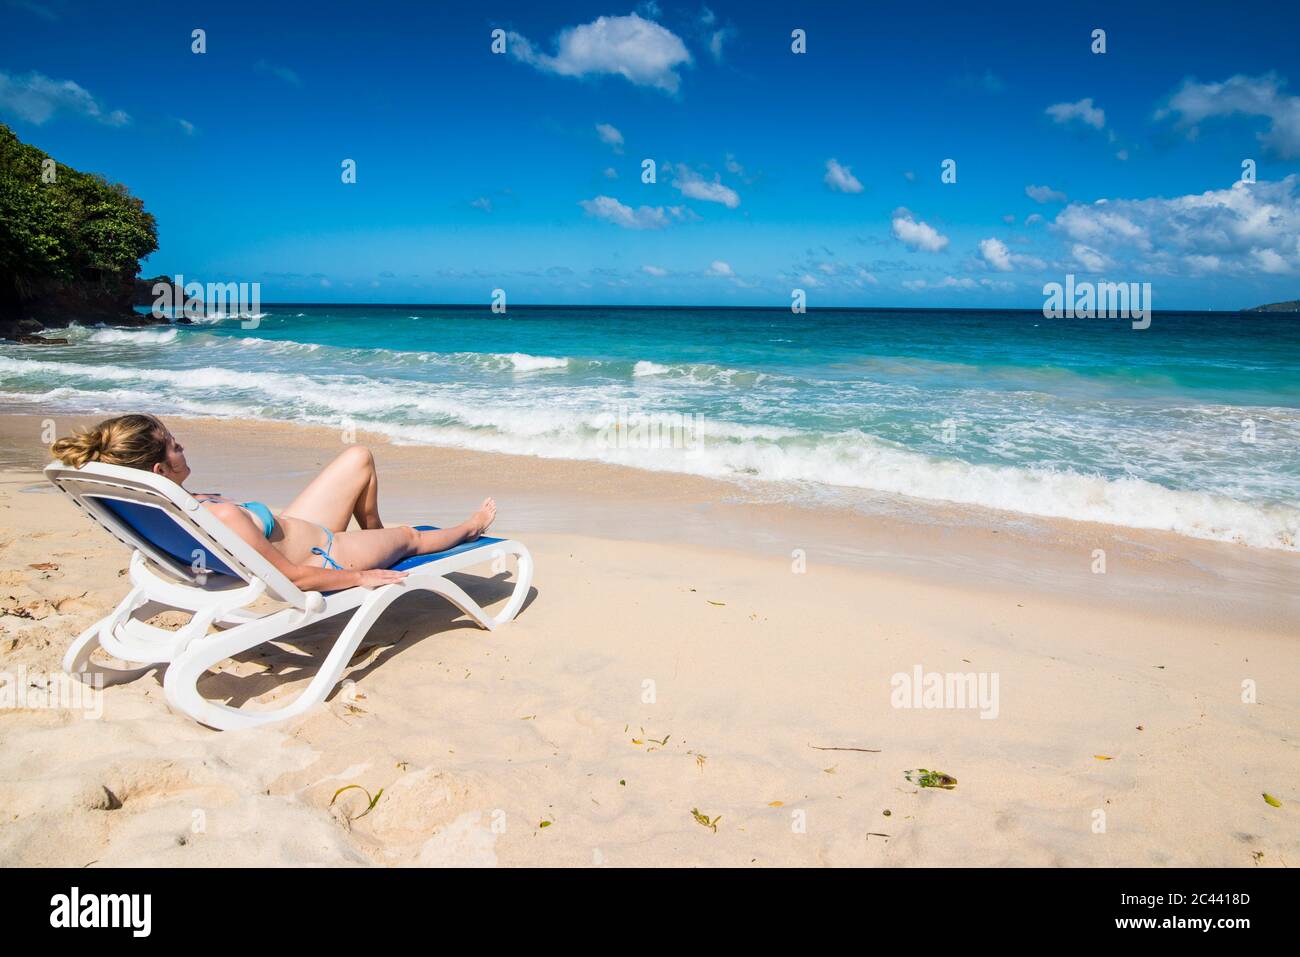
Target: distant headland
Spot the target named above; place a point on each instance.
(70, 246)
(1291, 305)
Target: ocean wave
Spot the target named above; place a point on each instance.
(699, 373)
(489, 419)
(152, 337)
(522, 362)
(376, 360)
(722, 450)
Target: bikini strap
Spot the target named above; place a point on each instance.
(324, 553)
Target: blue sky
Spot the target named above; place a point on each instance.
(775, 170)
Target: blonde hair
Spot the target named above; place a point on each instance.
(136, 441)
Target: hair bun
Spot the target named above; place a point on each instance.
(84, 445)
(136, 441)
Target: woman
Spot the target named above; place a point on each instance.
(308, 542)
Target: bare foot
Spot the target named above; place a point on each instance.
(478, 522)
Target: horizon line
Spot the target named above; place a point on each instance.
(734, 308)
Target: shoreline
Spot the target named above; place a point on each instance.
(919, 539)
(1053, 439)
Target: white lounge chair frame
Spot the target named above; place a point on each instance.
(221, 601)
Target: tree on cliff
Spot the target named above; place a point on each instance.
(69, 241)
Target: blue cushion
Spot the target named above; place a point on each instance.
(162, 531)
(157, 527)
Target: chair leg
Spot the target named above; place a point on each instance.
(183, 674)
(457, 596)
(523, 581)
(181, 681)
(76, 662)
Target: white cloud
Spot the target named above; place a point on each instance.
(283, 72)
(1033, 219)
(953, 282)
(36, 98)
(611, 173)
(1089, 258)
(644, 217)
(186, 125)
(841, 178)
(654, 270)
(1101, 223)
(717, 39)
(482, 203)
(1045, 194)
(918, 235)
(641, 51)
(1251, 96)
(996, 254)
(1083, 111)
(695, 186)
(948, 282)
(610, 136)
(1248, 228)
(1268, 260)
(719, 268)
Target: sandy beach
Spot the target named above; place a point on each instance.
(705, 675)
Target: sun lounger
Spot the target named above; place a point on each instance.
(187, 559)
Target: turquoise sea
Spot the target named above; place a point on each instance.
(1192, 425)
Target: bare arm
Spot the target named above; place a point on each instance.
(305, 577)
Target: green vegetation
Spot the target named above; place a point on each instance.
(70, 242)
(924, 778)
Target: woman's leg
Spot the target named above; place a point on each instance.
(348, 487)
(382, 547)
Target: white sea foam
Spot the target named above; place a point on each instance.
(698, 373)
(493, 419)
(152, 337)
(526, 363)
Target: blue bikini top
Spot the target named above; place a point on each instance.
(263, 515)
